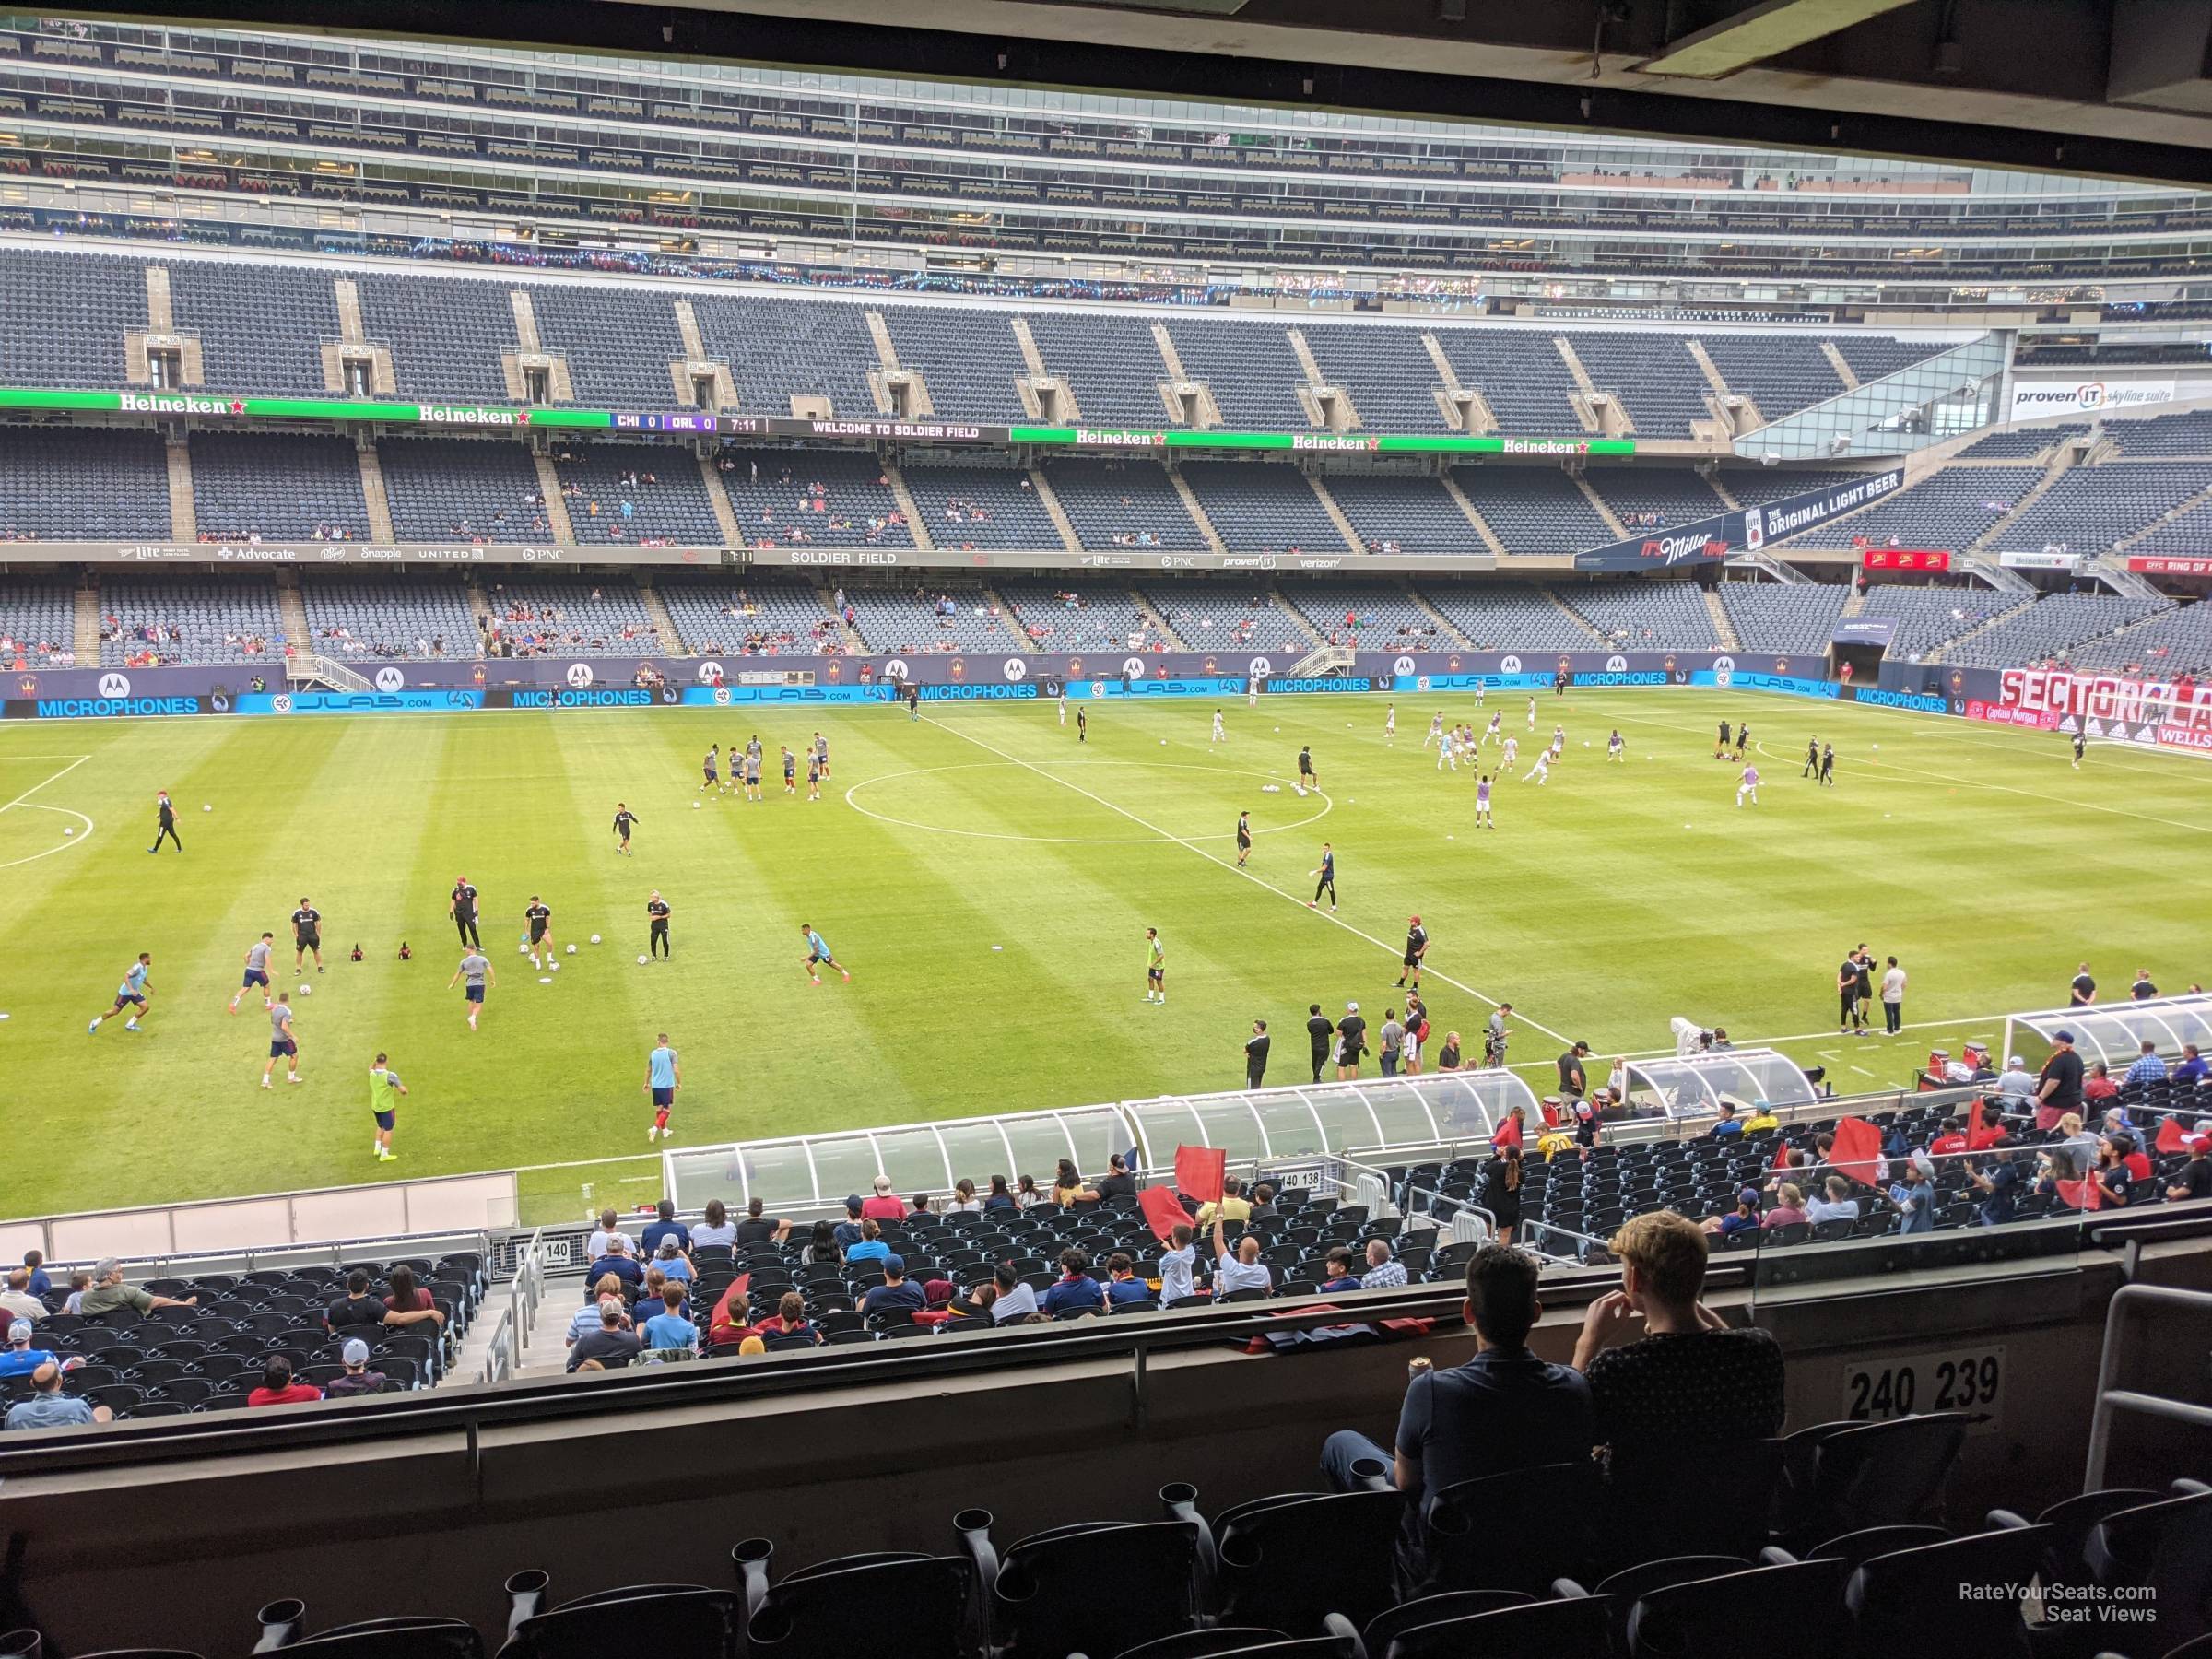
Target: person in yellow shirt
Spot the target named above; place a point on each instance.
(1762, 1117)
(1233, 1205)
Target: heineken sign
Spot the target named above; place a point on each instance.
(216, 405)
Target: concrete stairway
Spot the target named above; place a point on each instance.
(656, 612)
(1328, 504)
(1446, 628)
(1053, 511)
(1482, 525)
(914, 526)
(1942, 651)
(1597, 502)
(183, 514)
(87, 618)
(372, 493)
(1720, 624)
(1007, 619)
(2061, 463)
(845, 631)
(1573, 615)
(1190, 505)
(557, 506)
(1157, 623)
(293, 610)
(1844, 372)
(726, 516)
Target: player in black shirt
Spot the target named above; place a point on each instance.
(1322, 1032)
(540, 918)
(1416, 947)
(625, 820)
(461, 904)
(1720, 747)
(1307, 776)
(1243, 838)
(2080, 743)
(1812, 759)
(307, 936)
(1742, 739)
(2083, 992)
(656, 911)
(1827, 764)
(1082, 727)
(1255, 1055)
(165, 823)
(1326, 875)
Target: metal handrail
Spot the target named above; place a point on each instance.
(2111, 1400)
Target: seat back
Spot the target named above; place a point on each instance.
(395, 1639)
(1719, 1615)
(1842, 1479)
(1853, 1549)
(1701, 1500)
(1909, 1600)
(1293, 1560)
(1516, 1530)
(699, 1624)
(1573, 1628)
(836, 1610)
(2163, 1545)
(1392, 1622)
(1046, 1602)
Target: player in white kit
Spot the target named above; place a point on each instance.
(1532, 713)
(1482, 804)
(1436, 729)
(1558, 741)
(1062, 707)
(1513, 751)
(1750, 786)
(1219, 735)
(1541, 772)
(1390, 723)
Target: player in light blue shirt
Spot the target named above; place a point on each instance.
(817, 956)
(663, 1077)
(131, 994)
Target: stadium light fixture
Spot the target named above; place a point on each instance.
(1760, 33)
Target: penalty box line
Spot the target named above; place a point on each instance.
(1384, 945)
(43, 781)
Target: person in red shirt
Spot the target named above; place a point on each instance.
(885, 1205)
(277, 1387)
(1509, 1131)
(1987, 1135)
(2130, 1157)
(1952, 1140)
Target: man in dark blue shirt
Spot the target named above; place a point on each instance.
(896, 1295)
(649, 1240)
(2000, 1187)
(618, 1262)
(1505, 1409)
(846, 1233)
(1341, 1274)
(1076, 1289)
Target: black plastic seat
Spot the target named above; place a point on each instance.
(1292, 1561)
(835, 1608)
(1571, 1628)
(1545, 1510)
(2162, 1547)
(1621, 1591)
(399, 1638)
(1694, 1500)
(1909, 1600)
(1720, 1615)
(1386, 1626)
(1842, 1477)
(672, 1620)
(1855, 1548)
(1041, 1599)
(2071, 1521)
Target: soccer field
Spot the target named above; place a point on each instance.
(988, 881)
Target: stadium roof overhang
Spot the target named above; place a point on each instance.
(2116, 1033)
(2094, 87)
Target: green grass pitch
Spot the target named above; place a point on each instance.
(988, 881)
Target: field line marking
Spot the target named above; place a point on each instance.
(24, 800)
(43, 782)
(1960, 1023)
(1396, 952)
(1862, 1071)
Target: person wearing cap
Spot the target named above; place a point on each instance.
(2016, 1085)
(896, 1295)
(664, 1226)
(1744, 1218)
(2058, 1085)
(883, 1205)
(2191, 1071)
(2192, 1179)
(673, 1265)
(1913, 1194)
(2148, 1067)
(1574, 1082)
(109, 1293)
(618, 1262)
(846, 1233)
(358, 1379)
(1232, 1205)
(610, 1347)
(20, 1360)
(278, 1388)
(1075, 1290)
(1117, 1183)
(1351, 1043)
(49, 1407)
(585, 1320)
(1762, 1119)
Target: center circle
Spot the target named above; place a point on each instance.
(1073, 788)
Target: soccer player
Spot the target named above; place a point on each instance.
(1448, 746)
(714, 778)
(1064, 706)
(752, 770)
(1219, 735)
(1156, 967)
(1496, 728)
(1307, 777)
(1532, 713)
(1827, 764)
(1540, 774)
(132, 994)
(461, 904)
(1742, 739)
(1390, 723)
(1481, 690)
(663, 1077)
(1558, 742)
(1325, 878)
(656, 914)
(257, 969)
(165, 822)
(813, 775)
(1512, 752)
(284, 1044)
(1720, 746)
(1082, 727)
(384, 1090)
(1617, 747)
(1559, 683)
(1436, 729)
(1747, 785)
(1243, 838)
(913, 702)
(817, 956)
(1482, 804)
(2080, 743)
(821, 752)
(791, 769)
(540, 918)
(476, 969)
(625, 821)
(1416, 947)
(1812, 757)
(307, 936)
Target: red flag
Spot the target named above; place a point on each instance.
(1200, 1171)
(1973, 1120)
(1162, 1211)
(2081, 1194)
(1782, 1153)
(1857, 1144)
(2172, 1138)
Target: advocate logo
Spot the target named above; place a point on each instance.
(178, 403)
(470, 415)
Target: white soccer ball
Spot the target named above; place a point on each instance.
(1685, 826)
(1163, 743)
(522, 948)
(1877, 746)
(641, 959)
(1278, 728)
(205, 807)
(695, 806)
(544, 979)
(595, 940)
(306, 989)
(573, 948)
(68, 829)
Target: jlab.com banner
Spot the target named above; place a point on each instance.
(1745, 531)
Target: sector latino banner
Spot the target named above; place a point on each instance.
(2110, 708)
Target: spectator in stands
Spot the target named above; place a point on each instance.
(20, 1360)
(789, 1319)
(1501, 1190)
(357, 1307)
(109, 1293)
(410, 1305)
(1835, 1203)
(596, 1246)
(1076, 1290)
(1999, 1186)
(34, 1264)
(2099, 1084)
(870, 1246)
(847, 1232)
(1119, 1184)
(963, 1201)
(1243, 1270)
(1788, 1208)
(671, 1263)
(820, 1246)
(2058, 1086)
(1341, 1277)
(883, 1205)
(2192, 1179)
(1727, 1126)
(607, 1287)
(1232, 1204)
(610, 1347)
(758, 1227)
(277, 1388)
(17, 1301)
(1122, 1285)
(1069, 1188)
(2079, 1145)
(2148, 1069)
(617, 1261)
(669, 1329)
(1263, 1206)
(1504, 1409)
(1000, 1201)
(718, 1231)
(1014, 1301)
(664, 1226)
(1691, 1378)
(898, 1298)
(1178, 1265)
(2192, 1070)
(358, 1379)
(1026, 1194)
(1382, 1272)
(2016, 1085)
(49, 1407)
(1744, 1218)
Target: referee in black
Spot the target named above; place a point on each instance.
(1243, 838)
(462, 904)
(165, 824)
(656, 911)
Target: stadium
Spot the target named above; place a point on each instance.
(1634, 576)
